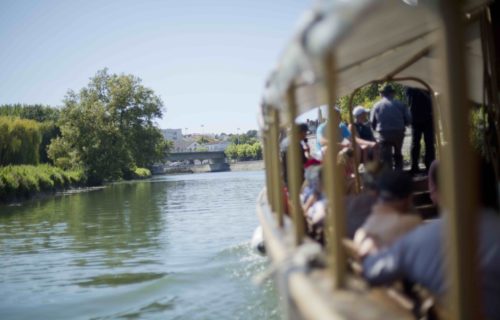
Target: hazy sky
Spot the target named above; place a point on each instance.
(208, 60)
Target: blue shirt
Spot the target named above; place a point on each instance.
(320, 132)
(419, 255)
(389, 115)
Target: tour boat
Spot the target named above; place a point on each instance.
(446, 47)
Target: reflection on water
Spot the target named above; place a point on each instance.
(173, 247)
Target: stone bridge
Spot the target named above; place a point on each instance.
(212, 156)
(204, 161)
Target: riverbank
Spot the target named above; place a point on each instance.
(218, 167)
(247, 165)
(20, 183)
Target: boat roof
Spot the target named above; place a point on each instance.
(370, 40)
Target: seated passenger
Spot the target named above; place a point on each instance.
(322, 141)
(304, 152)
(314, 206)
(359, 206)
(391, 217)
(419, 255)
(367, 142)
(346, 159)
(361, 123)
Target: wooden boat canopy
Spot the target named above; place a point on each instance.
(369, 40)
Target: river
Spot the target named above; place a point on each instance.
(173, 247)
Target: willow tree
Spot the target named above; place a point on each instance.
(110, 127)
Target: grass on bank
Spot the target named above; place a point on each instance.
(23, 181)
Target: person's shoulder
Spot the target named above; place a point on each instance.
(321, 127)
(425, 232)
(378, 104)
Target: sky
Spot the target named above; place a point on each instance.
(207, 59)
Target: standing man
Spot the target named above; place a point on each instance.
(389, 118)
(422, 124)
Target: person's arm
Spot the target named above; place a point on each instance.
(364, 143)
(386, 266)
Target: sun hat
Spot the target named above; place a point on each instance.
(359, 110)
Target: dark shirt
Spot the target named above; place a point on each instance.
(364, 131)
(420, 106)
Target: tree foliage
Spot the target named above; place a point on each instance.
(19, 141)
(244, 152)
(366, 97)
(108, 128)
(46, 116)
(250, 137)
(37, 112)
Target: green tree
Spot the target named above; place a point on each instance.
(19, 141)
(366, 97)
(109, 125)
(35, 112)
(231, 152)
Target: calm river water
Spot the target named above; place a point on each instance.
(174, 247)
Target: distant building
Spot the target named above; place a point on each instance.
(181, 145)
(217, 146)
(193, 146)
(172, 134)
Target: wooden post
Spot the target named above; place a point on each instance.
(354, 133)
(334, 183)
(458, 169)
(276, 172)
(294, 168)
(267, 163)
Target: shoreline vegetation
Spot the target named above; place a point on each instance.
(103, 133)
(24, 182)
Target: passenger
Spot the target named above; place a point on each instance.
(345, 158)
(322, 141)
(304, 152)
(422, 124)
(361, 123)
(391, 217)
(389, 118)
(369, 146)
(345, 138)
(314, 200)
(310, 188)
(315, 204)
(359, 206)
(418, 256)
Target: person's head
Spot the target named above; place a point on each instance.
(395, 188)
(360, 114)
(370, 176)
(303, 128)
(387, 91)
(488, 186)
